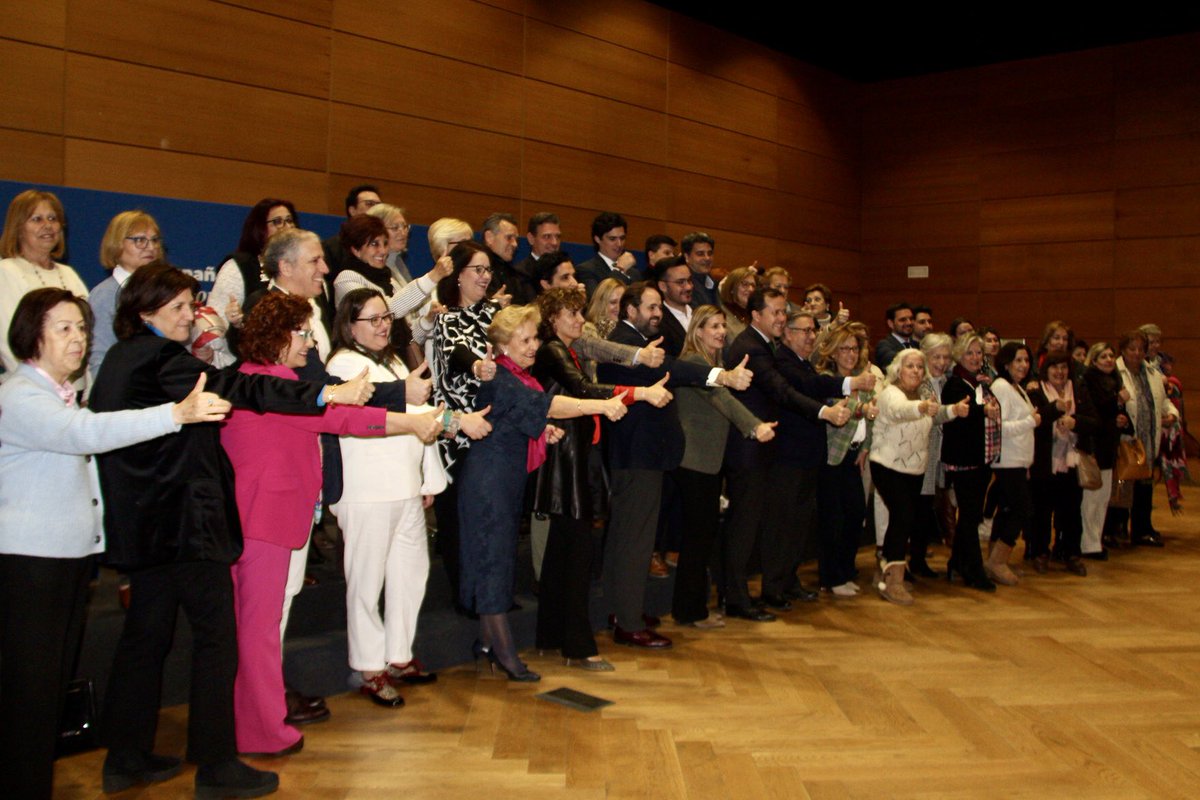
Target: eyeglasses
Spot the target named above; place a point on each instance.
(379, 320)
(682, 282)
(142, 242)
(480, 270)
(849, 348)
(801, 330)
(305, 335)
(401, 227)
(279, 222)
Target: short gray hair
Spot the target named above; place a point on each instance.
(284, 246)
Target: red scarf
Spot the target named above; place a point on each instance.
(536, 455)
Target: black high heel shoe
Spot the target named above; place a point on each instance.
(978, 580)
(528, 676)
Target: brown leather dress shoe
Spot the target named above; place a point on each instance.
(304, 710)
(644, 638)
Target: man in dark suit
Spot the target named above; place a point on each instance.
(753, 499)
(675, 285)
(698, 249)
(500, 238)
(544, 236)
(359, 200)
(900, 325)
(801, 450)
(644, 446)
(612, 260)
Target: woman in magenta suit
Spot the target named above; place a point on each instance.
(276, 461)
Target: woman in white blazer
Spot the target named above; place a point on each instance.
(1018, 418)
(387, 485)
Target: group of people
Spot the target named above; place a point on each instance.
(193, 443)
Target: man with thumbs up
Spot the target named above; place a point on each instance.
(646, 444)
(755, 502)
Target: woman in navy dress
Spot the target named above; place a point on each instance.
(493, 479)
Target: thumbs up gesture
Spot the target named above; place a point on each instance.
(485, 369)
(417, 387)
(657, 395)
(652, 355)
(739, 377)
(353, 392)
(837, 414)
(199, 405)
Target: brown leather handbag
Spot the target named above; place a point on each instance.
(1132, 463)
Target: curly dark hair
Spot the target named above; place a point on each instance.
(268, 328)
(552, 301)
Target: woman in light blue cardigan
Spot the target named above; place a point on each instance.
(51, 522)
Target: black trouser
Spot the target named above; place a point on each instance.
(205, 592)
(563, 622)
(750, 493)
(1139, 513)
(842, 506)
(1014, 504)
(633, 517)
(901, 494)
(42, 602)
(701, 496)
(1056, 498)
(970, 486)
(445, 508)
(790, 520)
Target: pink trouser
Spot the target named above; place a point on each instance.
(259, 577)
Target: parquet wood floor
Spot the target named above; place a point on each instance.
(1062, 687)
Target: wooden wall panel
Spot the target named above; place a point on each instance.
(601, 68)
(920, 132)
(1060, 218)
(1049, 123)
(572, 118)
(702, 47)
(410, 150)
(887, 270)
(314, 12)
(388, 77)
(723, 154)
(138, 170)
(1089, 312)
(703, 98)
(209, 39)
(1058, 170)
(636, 25)
(25, 66)
(106, 101)
(1023, 267)
(1160, 211)
(1157, 262)
(817, 222)
(809, 264)
(701, 202)
(832, 132)
(1157, 88)
(1173, 311)
(1157, 161)
(819, 177)
(557, 175)
(461, 29)
(41, 23)
(920, 179)
(1053, 78)
(424, 204)
(921, 226)
(32, 157)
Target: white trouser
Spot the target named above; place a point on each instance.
(386, 550)
(1094, 508)
(295, 582)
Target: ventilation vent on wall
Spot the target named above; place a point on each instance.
(918, 272)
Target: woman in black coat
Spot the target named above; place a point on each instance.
(1108, 396)
(1068, 421)
(969, 446)
(172, 520)
(564, 490)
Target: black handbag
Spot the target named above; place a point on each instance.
(79, 729)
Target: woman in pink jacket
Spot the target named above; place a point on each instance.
(276, 460)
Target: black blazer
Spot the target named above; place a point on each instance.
(673, 333)
(802, 438)
(594, 270)
(1087, 421)
(171, 499)
(563, 485)
(963, 438)
(768, 394)
(648, 437)
(886, 350)
(1102, 441)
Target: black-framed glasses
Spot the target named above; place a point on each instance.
(378, 320)
(279, 222)
(142, 242)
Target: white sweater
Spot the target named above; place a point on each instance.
(900, 439)
(1016, 426)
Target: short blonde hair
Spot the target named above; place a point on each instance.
(19, 211)
(119, 227)
(508, 319)
(1095, 350)
(442, 231)
(963, 343)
